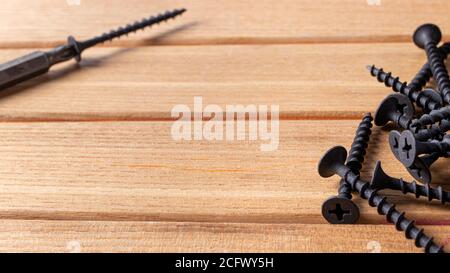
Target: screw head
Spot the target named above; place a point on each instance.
(420, 171)
(394, 143)
(427, 33)
(380, 179)
(407, 149)
(332, 157)
(337, 210)
(395, 103)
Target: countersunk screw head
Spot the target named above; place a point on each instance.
(427, 33)
(395, 104)
(339, 210)
(394, 143)
(332, 159)
(380, 180)
(420, 171)
(407, 149)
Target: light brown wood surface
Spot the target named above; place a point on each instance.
(44, 22)
(145, 83)
(87, 155)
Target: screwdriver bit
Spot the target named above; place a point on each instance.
(39, 62)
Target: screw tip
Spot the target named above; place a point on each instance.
(370, 67)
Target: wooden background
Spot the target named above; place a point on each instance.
(88, 162)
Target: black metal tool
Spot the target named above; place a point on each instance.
(37, 63)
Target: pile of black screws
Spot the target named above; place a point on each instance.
(422, 142)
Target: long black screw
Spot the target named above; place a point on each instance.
(381, 181)
(428, 99)
(420, 169)
(410, 148)
(37, 63)
(333, 162)
(113, 34)
(428, 37)
(341, 209)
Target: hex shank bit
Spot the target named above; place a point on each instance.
(38, 63)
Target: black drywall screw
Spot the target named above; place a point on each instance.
(340, 209)
(396, 108)
(428, 37)
(410, 148)
(333, 162)
(39, 62)
(381, 181)
(428, 99)
(420, 169)
(109, 36)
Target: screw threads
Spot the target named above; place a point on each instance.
(397, 218)
(423, 100)
(421, 78)
(360, 144)
(357, 152)
(146, 22)
(436, 131)
(345, 190)
(425, 74)
(439, 70)
(424, 191)
(433, 117)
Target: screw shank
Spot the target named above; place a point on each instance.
(23, 68)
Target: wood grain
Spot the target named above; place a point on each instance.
(69, 236)
(49, 22)
(306, 81)
(87, 155)
(134, 171)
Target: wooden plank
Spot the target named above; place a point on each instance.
(48, 22)
(69, 236)
(135, 171)
(306, 81)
